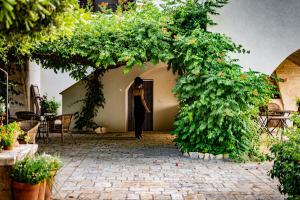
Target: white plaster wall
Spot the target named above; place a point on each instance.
(52, 84)
(116, 84)
(268, 28)
(34, 71)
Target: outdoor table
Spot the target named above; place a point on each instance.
(280, 120)
(44, 126)
(280, 116)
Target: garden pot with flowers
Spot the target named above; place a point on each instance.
(54, 164)
(9, 135)
(29, 176)
(7, 138)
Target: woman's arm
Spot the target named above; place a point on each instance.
(144, 102)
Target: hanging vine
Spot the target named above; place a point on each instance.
(94, 99)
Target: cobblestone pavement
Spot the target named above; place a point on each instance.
(116, 166)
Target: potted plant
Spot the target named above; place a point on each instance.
(54, 164)
(49, 105)
(29, 177)
(7, 138)
(23, 138)
(298, 104)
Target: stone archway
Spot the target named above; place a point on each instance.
(289, 72)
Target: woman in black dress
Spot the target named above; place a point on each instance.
(140, 106)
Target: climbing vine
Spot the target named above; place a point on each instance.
(93, 101)
(218, 101)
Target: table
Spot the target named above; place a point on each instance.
(44, 126)
(281, 117)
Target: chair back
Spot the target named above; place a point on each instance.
(273, 107)
(66, 121)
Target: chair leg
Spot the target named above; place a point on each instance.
(62, 137)
(72, 137)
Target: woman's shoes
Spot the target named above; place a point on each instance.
(139, 137)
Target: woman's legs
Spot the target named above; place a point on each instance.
(139, 118)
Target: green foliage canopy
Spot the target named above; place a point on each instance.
(25, 23)
(218, 101)
(108, 41)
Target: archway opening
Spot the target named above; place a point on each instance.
(289, 87)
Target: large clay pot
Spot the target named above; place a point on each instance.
(42, 191)
(24, 191)
(49, 186)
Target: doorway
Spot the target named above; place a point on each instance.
(148, 124)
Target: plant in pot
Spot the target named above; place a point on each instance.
(7, 138)
(23, 138)
(298, 104)
(28, 175)
(54, 164)
(16, 130)
(49, 105)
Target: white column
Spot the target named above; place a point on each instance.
(34, 72)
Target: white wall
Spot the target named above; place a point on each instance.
(116, 85)
(268, 28)
(52, 84)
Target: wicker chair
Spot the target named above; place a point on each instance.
(63, 126)
(30, 127)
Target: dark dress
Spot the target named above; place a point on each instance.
(139, 115)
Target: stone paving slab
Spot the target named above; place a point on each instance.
(116, 166)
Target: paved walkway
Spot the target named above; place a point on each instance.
(115, 166)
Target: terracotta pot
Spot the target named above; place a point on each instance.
(42, 190)
(49, 186)
(24, 191)
(8, 147)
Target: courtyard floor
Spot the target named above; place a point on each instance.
(116, 166)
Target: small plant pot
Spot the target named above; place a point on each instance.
(42, 191)
(24, 191)
(49, 186)
(9, 147)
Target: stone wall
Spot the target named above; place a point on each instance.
(290, 88)
(5, 182)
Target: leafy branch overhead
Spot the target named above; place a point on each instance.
(23, 24)
(109, 41)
